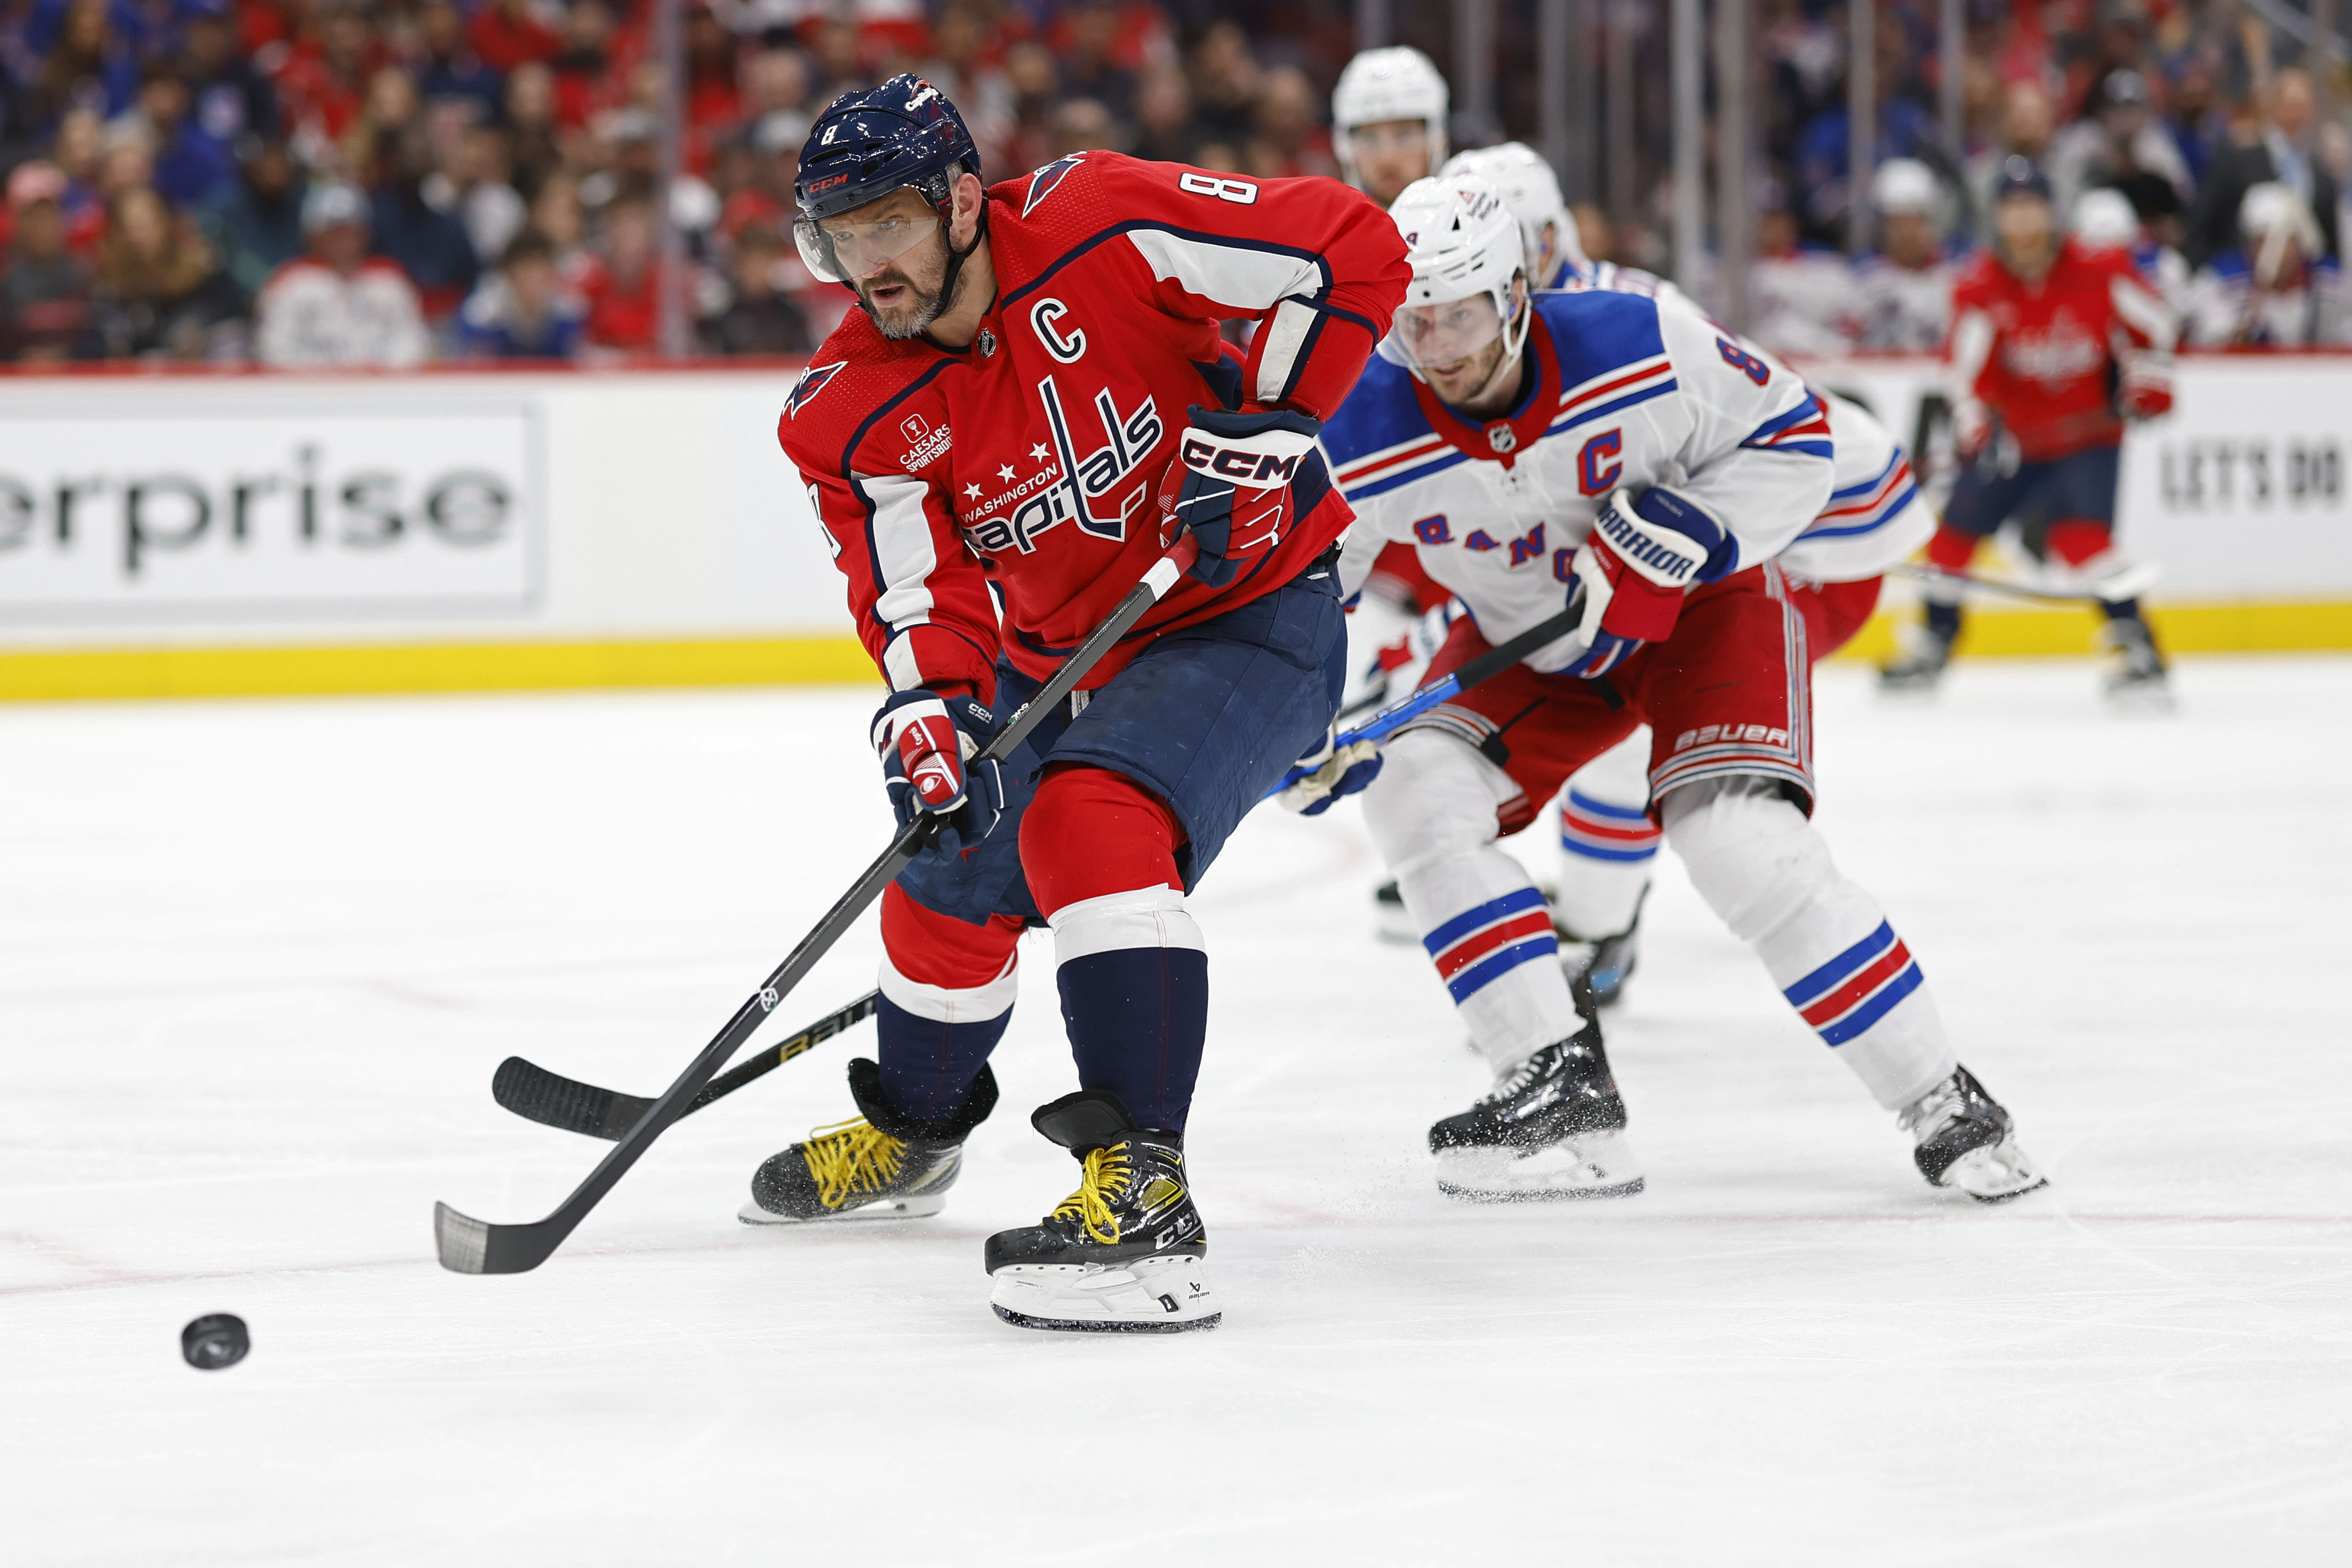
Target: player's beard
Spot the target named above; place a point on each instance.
(908, 321)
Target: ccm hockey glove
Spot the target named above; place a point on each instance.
(1643, 555)
(923, 738)
(1227, 484)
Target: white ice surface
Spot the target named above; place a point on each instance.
(258, 960)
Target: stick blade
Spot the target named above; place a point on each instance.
(470, 1246)
(465, 1242)
(550, 1099)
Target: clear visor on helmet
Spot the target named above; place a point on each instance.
(845, 248)
(1421, 336)
(1388, 137)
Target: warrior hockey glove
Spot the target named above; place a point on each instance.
(923, 740)
(1229, 481)
(1643, 555)
(1339, 770)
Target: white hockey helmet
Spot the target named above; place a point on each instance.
(1382, 85)
(1529, 188)
(1906, 185)
(1467, 255)
(2104, 218)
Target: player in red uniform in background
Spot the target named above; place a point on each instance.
(2053, 346)
(1031, 398)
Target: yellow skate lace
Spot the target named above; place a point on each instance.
(1106, 1174)
(852, 1156)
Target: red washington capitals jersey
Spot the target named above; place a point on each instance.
(1031, 459)
(2041, 355)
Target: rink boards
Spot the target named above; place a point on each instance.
(458, 529)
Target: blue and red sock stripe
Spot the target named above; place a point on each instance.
(1477, 946)
(1845, 996)
(1600, 831)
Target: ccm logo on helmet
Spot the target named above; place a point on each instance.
(828, 182)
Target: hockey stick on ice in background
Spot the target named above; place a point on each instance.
(470, 1246)
(551, 1099)
(1445, 687)
(2129, 583)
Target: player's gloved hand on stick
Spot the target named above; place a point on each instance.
(1227, 484)
(1337, 771)
(924, 739)
(1644, 554)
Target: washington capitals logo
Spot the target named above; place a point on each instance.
(810, 382)
(1042, 182)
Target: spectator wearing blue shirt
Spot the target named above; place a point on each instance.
(230, 98)
(190, 166)
(451, 70)
(1822, 157)
(521, 310)
(255, 221)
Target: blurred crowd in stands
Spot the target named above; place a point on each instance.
(325, 181)
(2190, 134)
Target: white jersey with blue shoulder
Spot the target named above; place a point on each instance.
(1875, 517)
(1623, 393)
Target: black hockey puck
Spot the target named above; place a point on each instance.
(214, 1340)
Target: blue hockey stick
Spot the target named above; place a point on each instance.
(1446, 688)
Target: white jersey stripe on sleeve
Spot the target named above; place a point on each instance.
(1285, 338)
(902, 548)
(1230, 271)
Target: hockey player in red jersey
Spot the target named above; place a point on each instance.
(1031, 400)
(2055, 345)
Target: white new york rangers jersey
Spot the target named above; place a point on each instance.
(1623, 393)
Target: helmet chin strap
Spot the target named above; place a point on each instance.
(956, 258)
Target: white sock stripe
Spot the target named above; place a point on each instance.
(1140, 917)
(945, 1005)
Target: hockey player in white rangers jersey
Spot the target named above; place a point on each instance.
(1597, 439)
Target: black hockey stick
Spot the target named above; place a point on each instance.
(470, 1246)
(551, 1099)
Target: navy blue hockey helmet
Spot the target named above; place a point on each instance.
(902, 135)
(2020, 176)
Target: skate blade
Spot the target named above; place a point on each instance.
(1996, 1173)
(1595, 1166)
(1149, 1296)
(915, 1205)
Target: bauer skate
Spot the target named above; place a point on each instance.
(1552, 1128)
(2134, 678)
(1918, 666)
(877, 1165)
(1121, 1255)
(1965, 1141)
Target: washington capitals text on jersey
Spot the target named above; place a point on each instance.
(1030, 459)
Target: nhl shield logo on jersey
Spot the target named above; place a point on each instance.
(810, 382)
(1502, 437)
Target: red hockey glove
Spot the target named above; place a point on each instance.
(1643, 555)
(1227, 484)
(2145, 390)
(923, 740)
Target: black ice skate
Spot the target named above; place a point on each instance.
(1122, 1254)
(1598, 968)
(1554, 1128)
(879, 1165)
(1966, 1142)
(2135, 676)
(1919, 667)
